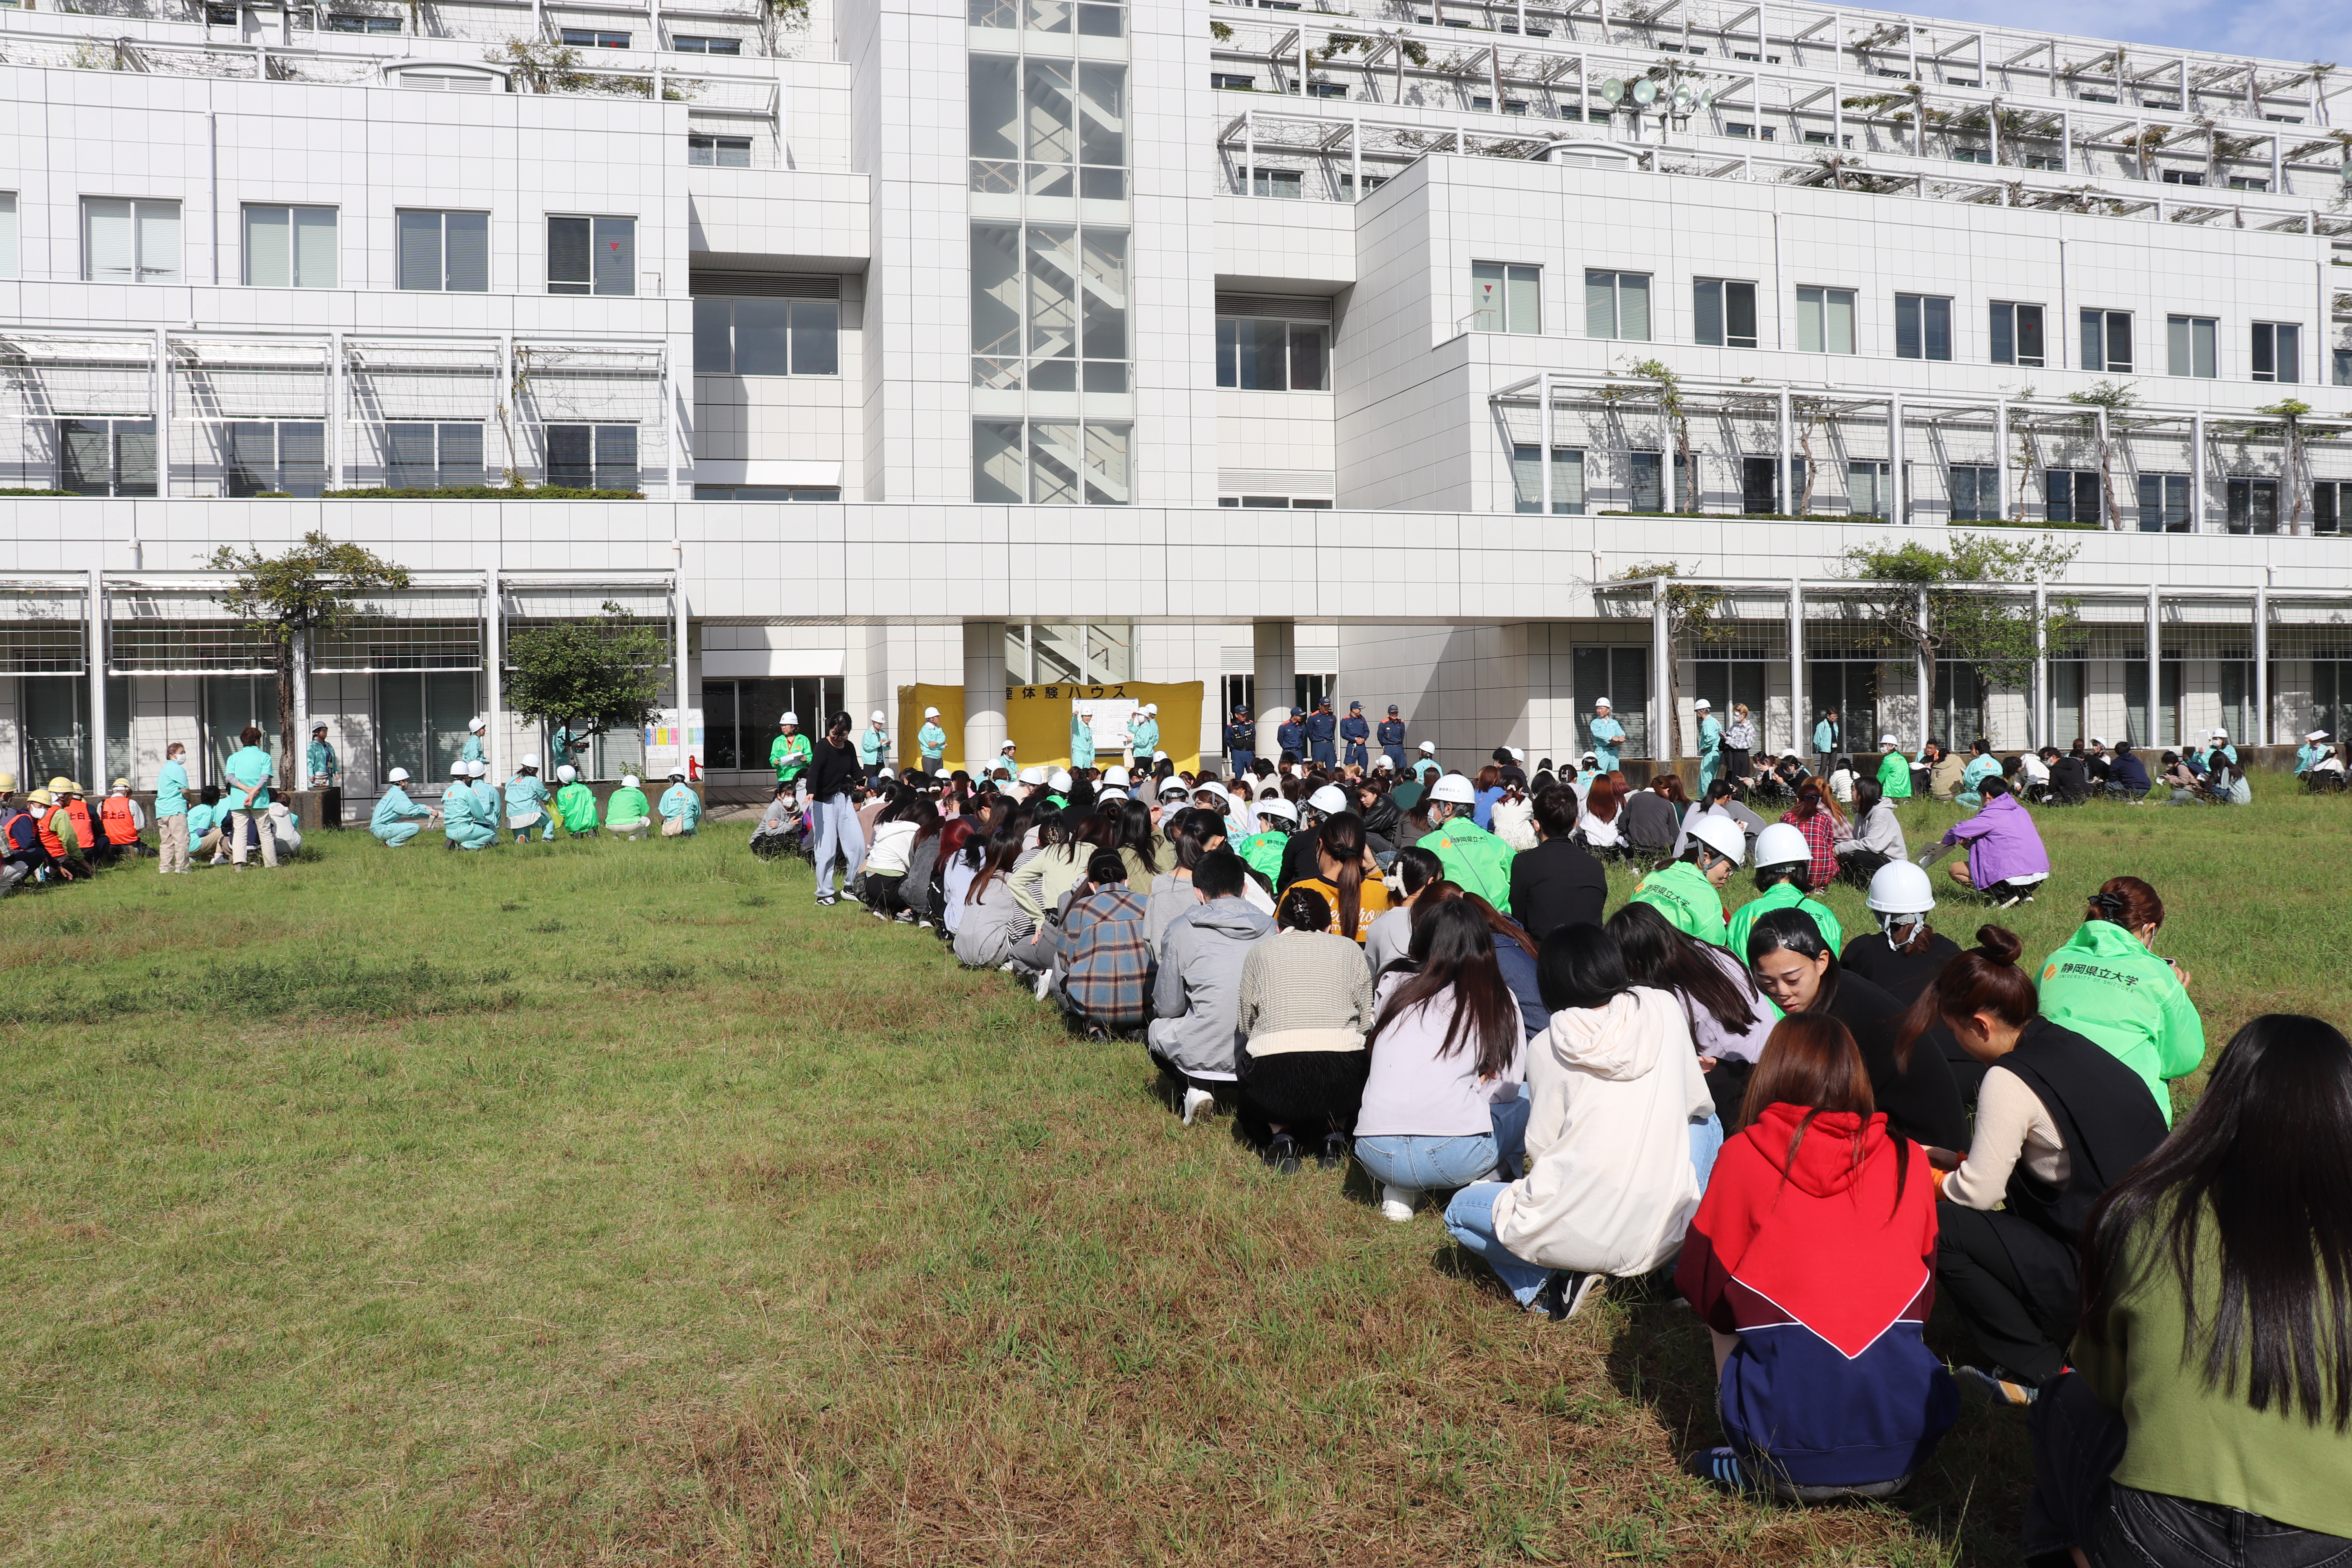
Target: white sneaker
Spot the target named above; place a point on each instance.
(1196, 1100)
(1397, 1203)
(1044, 985)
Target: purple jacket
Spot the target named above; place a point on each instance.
(2002, 842)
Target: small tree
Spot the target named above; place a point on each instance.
(1694, 613)
(590, 677)
(1933, 600)
(291, 597)
(2289, 412)
(2113, 398)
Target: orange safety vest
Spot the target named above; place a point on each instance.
(84, 829)
(122, 828)
(49, 839)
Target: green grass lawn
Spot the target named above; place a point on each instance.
(607, 1202)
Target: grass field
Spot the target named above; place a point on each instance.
(606, 1202)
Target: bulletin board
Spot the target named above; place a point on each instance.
(1037, 720)
(913, 701)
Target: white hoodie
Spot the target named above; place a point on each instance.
(1609, 1187)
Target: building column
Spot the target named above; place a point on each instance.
(679, 644)
(1797, 738)
(1662, 670)
(95, 659)
(983, 692)
(2262, 736)
(494, 730)
(1273, 660)
(2037, 721)
(1927, 679)
(300, 760)
(2155, 651)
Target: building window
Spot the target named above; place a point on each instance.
(1975, 489)
(1051, 127)
(593, 38)
(1617, 305)
(768, 492)
(2016, 333)
(591, 256)
(2071, 495)
(1758, 494)
(1348, 192)
(2329, 500)
(2249, 183)
(686, 44)
(1826, 139)
(592, 457)
(719, 151)
(740, 717)
(107, 457)
(1972, 154)
(1567, 479)
(1260, 356)
(1725, 312)
(1923, 327)
(420, 723)
(2164, 503)
(1225, 82)
(1621, 675)
(1645, 481)
(9, 253)
(1049, 307)
(288, 458)
(2183, 177)
(2106, 341)
(1050, 462)
(2340, 362)
(1504, 297)
(2276, 351)
(767, 337)
(421, 456)
(1282, 185)
(129, 241)
(1868, 492)
(1339, 90)
(1825, 321)
(2253, 506)
(347, 22)
(2189, 346)
(1039, 652)
(444, 252)
(290, 247)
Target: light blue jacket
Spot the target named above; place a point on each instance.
(678, 801)
(393, 806)
(873, 746)
(1145, 732)
(1979, 770)
(1082, 742)
(171, 792)
(1608, 735)
(931, 740)
(473, 751)
(486, 801)
(1824, 736)
(525, 794)
(248, 769)
(1711, 735)
(457, 804)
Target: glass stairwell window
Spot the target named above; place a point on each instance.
(1051, 127)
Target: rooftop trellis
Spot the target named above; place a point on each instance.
(43, 631)
(57, 375)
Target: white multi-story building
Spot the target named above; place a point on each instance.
(999, 345)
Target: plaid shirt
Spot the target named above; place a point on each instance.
(1109, 976)
(1821, 836)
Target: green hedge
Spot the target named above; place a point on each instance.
(486, 492)
(46, 493)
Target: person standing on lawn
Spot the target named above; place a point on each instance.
(172, 811)
(248, 769)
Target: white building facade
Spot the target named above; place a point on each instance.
(1016, 343)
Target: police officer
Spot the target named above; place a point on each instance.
(1322, 734)
(1391, 739)
(1241, 740)
(1355, 729)
(1291, 736)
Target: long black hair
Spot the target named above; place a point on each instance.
(1579, 966)
(1657, 954)
(1451, 948)
(2265, 1157)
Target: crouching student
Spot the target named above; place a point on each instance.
(626, 815)
(396, 819)
(463, 825)
(121, 821)
(992, 924)
(575, 803)
(204, 825)
(1102, 952)
(1306, 1004)
(1196, 995)
(1441, 1106)
(1811, 1260)
(1621, 1135)
(526, 804)
(681, 809)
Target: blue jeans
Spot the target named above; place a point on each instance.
(837, 830)
(1436, 1162)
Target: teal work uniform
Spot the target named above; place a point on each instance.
(1427, 770)
(472, 752)
(1262, 853)
(202, 819)
(873, 746)
(1973, 778)
(933, 742)
(325, 772)
(1144, 733)
(626, 808)
(2306, 754)
(488, 808)
(1475, 859)
(1894, 776)
(1711, 752)
(171, 791)
(1782, 896)
(1824, 737)
(1608, 737)
(576, 804)
(248, 770)
(682, 806)
(527, 797)
(1690, 902)
(2106, 986)
(1082, 742)
(461, 820)
(396, 819)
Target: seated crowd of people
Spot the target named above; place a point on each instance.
(1814, 1133)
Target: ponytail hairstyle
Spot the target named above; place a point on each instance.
(1794, 930)
(1985, 979)
(2127, 901)
(1343, 841)
(1417, 867)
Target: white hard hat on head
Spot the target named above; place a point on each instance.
(878, 716)
(398, 775)
(1901, 888)
(1702, 703)
(2220, 735)
(1888, 740)
(1723, 836)
(1603, 703)
(1032, 775)
(1429, 748)
(567, 772)
(1455, 790)
(1278, 808)
(458, 769)
(1330, 801)
(474, 724)
(629, 781)
(1782, 845)
(792, 719)
(2316, 735)
(1172, 789)
(1381, 764)
(1117, 775)
(930, 712)
(479, 770)
(1058, 779)
(1151, 708)
(1007, 747)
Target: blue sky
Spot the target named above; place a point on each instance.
(2273, 31)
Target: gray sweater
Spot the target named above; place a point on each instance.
(1197, 995)
(1305, 980)
(1879, 832)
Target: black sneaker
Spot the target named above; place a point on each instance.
(1334, 1156)
(1282, 1154)
(1565, 1293)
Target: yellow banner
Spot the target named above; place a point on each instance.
(913, 701)
(1037, 720)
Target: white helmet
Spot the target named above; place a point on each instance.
(878, 716)
(475, 725)
(930, 712)
(1723, 836)
(1279, 809)
(1330, 801)
(1901, 888)
(566, 774)
(479, 770)
(792, 719)
(1151, 708)
(1702, 705)
(1032, 775)
(1057, 780)
(1117, 777)
(1782, 845)
(398, 775)
(629, 781)
(459, 769)
(1453, 789)
(1429, 748)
